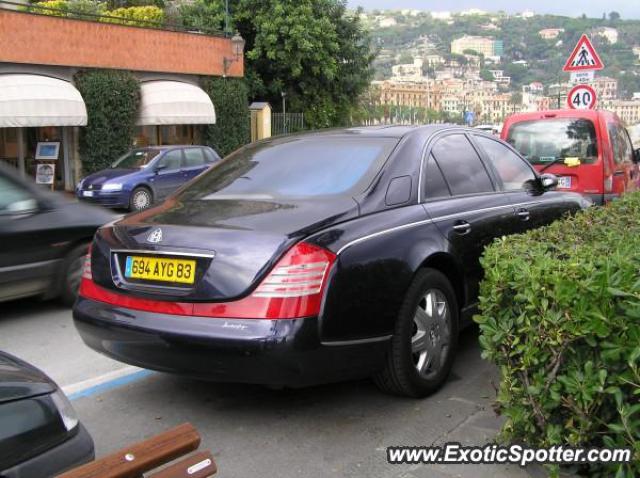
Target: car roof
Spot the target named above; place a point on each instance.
(382, 131)
(565, 113)
(162, 147)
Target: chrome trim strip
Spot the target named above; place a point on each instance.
(427, 221)
(164, 253)
(371, 340)
(380, 233)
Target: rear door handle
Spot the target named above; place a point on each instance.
(619, 173)
(462, 227)
(523, 214)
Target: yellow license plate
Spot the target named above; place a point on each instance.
(160, 269)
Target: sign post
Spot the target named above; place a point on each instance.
(582, 64)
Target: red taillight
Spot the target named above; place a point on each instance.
(608, 184)
(300, 272)
(292, 289)
(86, 268)
(87, 277)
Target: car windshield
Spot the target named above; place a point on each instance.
(137, 158)
(298, 167)
(549, 140)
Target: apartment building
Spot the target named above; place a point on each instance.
(489, 47)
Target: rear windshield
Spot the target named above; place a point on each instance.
(549, 140)
(300, 167)
(137, 158)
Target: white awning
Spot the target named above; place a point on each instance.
(35, 100)
(174, 102)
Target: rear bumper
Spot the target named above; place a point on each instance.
(285, 352)
(601, 199)
(76, 451)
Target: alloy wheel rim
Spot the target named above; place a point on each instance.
(431, 333)
(141, 200)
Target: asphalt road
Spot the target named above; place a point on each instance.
(339, 430)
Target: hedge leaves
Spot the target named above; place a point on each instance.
(560, 316)
(112, 99)
(232, 128)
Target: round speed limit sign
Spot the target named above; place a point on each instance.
(582, 97)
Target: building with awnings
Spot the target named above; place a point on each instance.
(169, 111)
(42, 113)
(37, 109)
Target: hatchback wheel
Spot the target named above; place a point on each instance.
(424, 343)
(140, 199)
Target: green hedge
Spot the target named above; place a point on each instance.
(232, 128)
(560, 316)
(136, 16)
(112, 98)
(69, 8)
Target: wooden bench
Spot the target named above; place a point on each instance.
(144, 457)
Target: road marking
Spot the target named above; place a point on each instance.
(103, 383)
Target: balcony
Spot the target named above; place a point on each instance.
(36, 38)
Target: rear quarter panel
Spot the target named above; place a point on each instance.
(378, 256)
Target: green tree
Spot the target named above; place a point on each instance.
(405, 57)
(112, 98)
(315, 51)
(614, 16)
(231, 130)
(486, 75)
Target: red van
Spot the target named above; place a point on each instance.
(589, 151)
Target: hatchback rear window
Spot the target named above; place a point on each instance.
(297, 167)
(552, 140)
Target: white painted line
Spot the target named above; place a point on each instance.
(74, 388)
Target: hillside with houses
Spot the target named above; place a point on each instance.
(496, 63)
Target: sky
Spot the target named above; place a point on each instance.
(593, 8)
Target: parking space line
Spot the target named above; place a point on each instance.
(103, 383)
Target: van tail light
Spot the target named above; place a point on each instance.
(292, 289)
(608, 184)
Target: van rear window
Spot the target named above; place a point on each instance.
(552, 140)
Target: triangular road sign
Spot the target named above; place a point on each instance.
(584, 57)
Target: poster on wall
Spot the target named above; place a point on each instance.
(47, 150)
(45, 173)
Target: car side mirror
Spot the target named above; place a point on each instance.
(548, 181)
(636, 156)
(159, 168)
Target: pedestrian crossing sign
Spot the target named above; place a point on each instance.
(584, 57)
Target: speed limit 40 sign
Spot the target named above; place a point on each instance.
(582, 97)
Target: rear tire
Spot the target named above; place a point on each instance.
(424, 343)
(72, 274)
(141, 198)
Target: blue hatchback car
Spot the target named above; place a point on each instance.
(144, 175)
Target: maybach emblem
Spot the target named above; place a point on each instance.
(155, 236)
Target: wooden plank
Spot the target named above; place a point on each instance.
(199, 465)
(132, 461)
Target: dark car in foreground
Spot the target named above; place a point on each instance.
(44, 238)
(145, 175)
(315, 258)
(40, 435)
